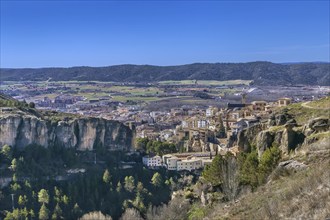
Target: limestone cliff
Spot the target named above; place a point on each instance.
(282, 131)
(22, 129)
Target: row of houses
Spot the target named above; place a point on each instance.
(179, 162)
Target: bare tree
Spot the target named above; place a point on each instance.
(130, 214)
(95, 215)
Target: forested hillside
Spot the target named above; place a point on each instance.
(262, 73)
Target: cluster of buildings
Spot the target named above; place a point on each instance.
(205, 133)
(179, 162)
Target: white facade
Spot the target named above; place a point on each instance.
(155, 161)
(209, 112)
(190, 165)
(172, 163)
(201, 124)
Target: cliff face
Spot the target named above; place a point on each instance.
(80, 133)
(281, 131)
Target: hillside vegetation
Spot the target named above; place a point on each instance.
(274, 184)
(305, 111)
(262, 73)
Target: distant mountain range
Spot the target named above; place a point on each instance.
(262, 73)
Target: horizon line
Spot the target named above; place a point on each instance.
(133, 64)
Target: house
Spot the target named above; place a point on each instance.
(284, 102)
(259, 105)
(211, 111)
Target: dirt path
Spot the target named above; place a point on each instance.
(305, 105)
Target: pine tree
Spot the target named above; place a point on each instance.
(119, 187)
(7, 152)
(43, 213)
(65, 199)
(13, 165)
(138, 202)
(43, 196)
(106, 176)
(213, 172)
(157, 180)
(58, 194)
(76, 211)
(129, 183)
(22, 200)
(57, 214)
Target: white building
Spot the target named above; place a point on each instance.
(202, 124)
(211, 111)
(170, 161)
(189, 164)
(155, 161)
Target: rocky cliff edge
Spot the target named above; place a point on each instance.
(19, 129)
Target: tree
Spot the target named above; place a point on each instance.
(65, 199)
(268, 162)
(32, 214)
(32, 105)
(7, 152)
(57, 214)
(43, 196)
(15, 187)
(157, 180)
(129, 183)
(140, 188)
(106, 176)
(76, 211)
(119, 187)
(249, 168)
(43, 213)
(13, 165)
(95, 215)
(15, 177)
(25, 213)
(27, 184)
(212, 173)
(130, 214)
(16, 214)
(221, 133)
(141, 144)
(57, 194)
(138, 202)
(22, 200)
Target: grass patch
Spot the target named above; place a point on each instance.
(321, 103)
(276, 128)
(320, 136)
(303, 114)
(205, 82)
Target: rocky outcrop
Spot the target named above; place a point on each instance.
(230, 176)
(247, 137)
(279, 119)
(80, 133)
(262, 136)
(264, 141)
(316, 125)
(292, 165)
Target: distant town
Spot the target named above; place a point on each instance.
(197, 116)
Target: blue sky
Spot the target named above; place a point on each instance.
(102, 33)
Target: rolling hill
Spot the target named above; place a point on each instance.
(262, 73)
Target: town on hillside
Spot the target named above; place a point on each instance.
(206, 133)
(200, 118)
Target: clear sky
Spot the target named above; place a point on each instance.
(103, 33)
